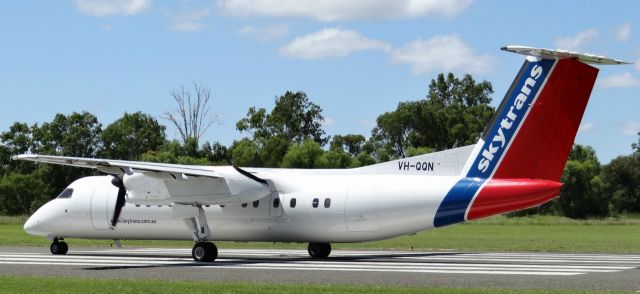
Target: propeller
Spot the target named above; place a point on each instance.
(246, 173)
(122, 191)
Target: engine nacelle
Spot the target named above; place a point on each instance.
(152, 188)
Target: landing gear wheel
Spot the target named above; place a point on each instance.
(59, 248)
(204, 251)
(319, 250)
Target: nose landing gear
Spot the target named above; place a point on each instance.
(204, 251)
(59, 247)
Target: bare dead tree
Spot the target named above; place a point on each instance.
(192, 117)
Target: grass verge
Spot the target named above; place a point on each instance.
(16, 284)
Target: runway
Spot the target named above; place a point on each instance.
(443, 269)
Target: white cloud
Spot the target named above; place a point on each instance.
(441, 53)
(265, 34)
(631, 128)
(327, 122)
(585, 127)
(112, 7)
(340, 10)
(188, 21)
(333, 42)
(107, 27)
(623, 32)
(366, 123)
(577, 42)
(623, 80)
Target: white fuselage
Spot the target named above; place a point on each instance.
(361, 208)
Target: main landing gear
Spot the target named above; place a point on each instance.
(59, 247)
(196, 222)
(319, 250)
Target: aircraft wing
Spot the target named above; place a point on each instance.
(119, 167)
(160, 183)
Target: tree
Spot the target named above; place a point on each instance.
(132, 135)
(350, 143)
(581, 195)
(454, 113)
(245, 153)
(303, 155)
(77, 134)
(336, 159)
(621, 181)
(17, 140)
(294, 117)
(192, 118)
(22, 193)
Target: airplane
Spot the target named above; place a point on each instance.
(516, 164)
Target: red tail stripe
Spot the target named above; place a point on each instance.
(542, 145)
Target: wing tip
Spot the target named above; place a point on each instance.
(24, 156)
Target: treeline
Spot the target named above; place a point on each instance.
(453, 113)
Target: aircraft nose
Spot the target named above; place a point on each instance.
(32, 224)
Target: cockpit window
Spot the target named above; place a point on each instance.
(66, 193)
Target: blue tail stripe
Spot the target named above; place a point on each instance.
(454, 205)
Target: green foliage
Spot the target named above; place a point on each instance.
(22, 193)
(132, 135)
(415, 151)
(245, 153)
(17, 140)
(77, 134)
(453, 114)
(350, 143)
(364, 159)
(581, 195)
(293, 119)
(336, 159)
(304, 155)
(621, 181)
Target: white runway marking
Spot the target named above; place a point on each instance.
(347, 261)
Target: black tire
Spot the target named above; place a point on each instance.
(59, 248)
(319, 250)
(204, 252)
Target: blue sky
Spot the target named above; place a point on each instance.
(356, 59)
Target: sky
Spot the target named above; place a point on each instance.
(356, 59)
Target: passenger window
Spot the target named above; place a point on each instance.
(66, 193)
(292, 202)
(315, 202)
(256, 203)
(244, 204)
(276, 203)
(327, 202)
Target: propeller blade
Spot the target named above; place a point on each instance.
(120, 200)
(250, 175)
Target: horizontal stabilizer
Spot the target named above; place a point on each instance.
(561, 54)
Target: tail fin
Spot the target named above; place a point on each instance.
(533, 130)
(520, 158)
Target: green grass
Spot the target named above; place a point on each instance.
(14, 284)
(537, 233)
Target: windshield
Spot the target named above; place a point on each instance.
(66, 193)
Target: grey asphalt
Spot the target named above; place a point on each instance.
(389, 268)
